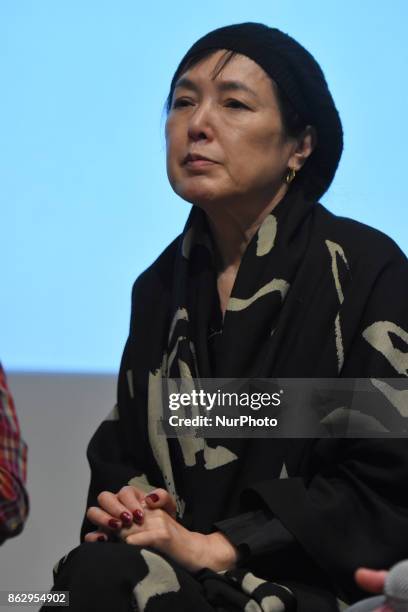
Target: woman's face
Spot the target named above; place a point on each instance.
(234, 120)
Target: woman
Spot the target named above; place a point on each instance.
(263, 282)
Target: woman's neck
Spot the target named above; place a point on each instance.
(233, 227)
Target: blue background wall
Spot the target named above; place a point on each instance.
(85, 202)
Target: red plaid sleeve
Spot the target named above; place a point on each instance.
(13, 466)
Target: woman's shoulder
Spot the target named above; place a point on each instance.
(358, 240)
(158, 277)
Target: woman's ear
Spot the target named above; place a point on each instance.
(306, 142)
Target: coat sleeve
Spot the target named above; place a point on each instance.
(119, 452)
(115, 457)
(256, 533)
(352, 509)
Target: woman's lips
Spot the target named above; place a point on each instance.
(199, 163)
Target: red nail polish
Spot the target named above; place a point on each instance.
(126, 518)
(138, 516)
(153, 496)
(101, 538)
(113, 524)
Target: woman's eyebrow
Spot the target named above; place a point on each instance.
(221, 85)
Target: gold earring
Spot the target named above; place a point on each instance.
(290, 175)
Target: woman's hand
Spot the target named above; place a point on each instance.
(117, 510)
(159, 530)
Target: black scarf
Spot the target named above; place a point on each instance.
(248, 345)
(315, 296)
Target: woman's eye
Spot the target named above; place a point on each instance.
(236, 104)
(180, 102)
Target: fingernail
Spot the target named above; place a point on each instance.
(126, 517)
(113, 524)
(101, 538)
(138, 516)
(153, 496)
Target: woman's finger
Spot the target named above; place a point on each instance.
(110, 503)
(160, 498)
(144, 538)
(127, 531)
(131, 498)
(96, 536)
(102, 519)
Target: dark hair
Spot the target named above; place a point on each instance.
(293, 123)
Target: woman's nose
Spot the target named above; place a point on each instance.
(201, 123)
